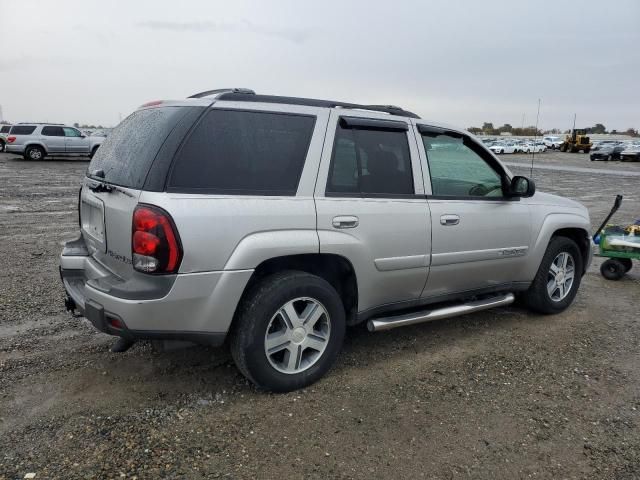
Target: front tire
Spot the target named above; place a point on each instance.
(34, 153)
(558, 279)
(288, 331)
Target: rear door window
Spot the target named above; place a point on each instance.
(23, 129)
(53, 131)
(244, 153)
(5, 129)
(370, 161)
(127, 154)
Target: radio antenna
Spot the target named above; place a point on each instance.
(535, 138)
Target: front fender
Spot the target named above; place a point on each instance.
(551, 223)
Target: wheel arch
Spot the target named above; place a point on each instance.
(568, 225)
(28, 145)
(335, 269)
(582, 239)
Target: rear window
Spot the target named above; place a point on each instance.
(244, 152)
(128, 152)
(5, 129)
(23, 129)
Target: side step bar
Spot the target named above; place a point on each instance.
(387, 323)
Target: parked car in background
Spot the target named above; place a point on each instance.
(631, 153)
(607, 152)
(274, 222)
(503, 147)
(4, 132)
(552, 142)
(531, 147)
(35, 141)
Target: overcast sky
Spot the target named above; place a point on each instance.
(460, 62)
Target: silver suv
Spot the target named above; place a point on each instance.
(37, 140)
(275, 222)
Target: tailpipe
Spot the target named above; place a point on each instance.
(387, 323)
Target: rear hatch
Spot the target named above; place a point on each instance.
(115, 178)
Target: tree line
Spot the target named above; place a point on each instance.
(530, 131)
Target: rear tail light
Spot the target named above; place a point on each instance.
(155, 243)
(11, 139)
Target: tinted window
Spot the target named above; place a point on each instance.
(23, 129)
(457, 170)
(5, 129)
(242, 152)
(370, 162)
(71, 132)
(128, 152)
(53, 131)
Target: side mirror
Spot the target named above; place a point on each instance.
(522, 187)
(83, 136)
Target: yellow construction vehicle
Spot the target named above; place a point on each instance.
(575, 141)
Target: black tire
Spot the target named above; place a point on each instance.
(1, 146)
(628, 264)
(253, 318)
(613, 269)
(537, 297)
(34, 153)
(93, 152)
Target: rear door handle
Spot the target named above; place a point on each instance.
(345, 221)
(449, 220)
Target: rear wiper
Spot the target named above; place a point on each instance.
(100, 187)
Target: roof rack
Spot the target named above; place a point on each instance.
(208, 93)
(247, 95)
(38, 123)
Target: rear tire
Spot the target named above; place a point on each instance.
(1, 147)
(628, 264)
(613, 269)
(554, 271)
(34, 153)
(274, 311)
(93, 152)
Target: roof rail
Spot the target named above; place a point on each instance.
(248, 95)
(252, 97)
(208, 93)
(38, 123)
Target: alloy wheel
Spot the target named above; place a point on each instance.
(297, 335)
(560, 277)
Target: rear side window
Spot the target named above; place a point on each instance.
(23, 129)
(53, 131)
(244, 152)
(5, 129)
(370, 162)
(128, 152)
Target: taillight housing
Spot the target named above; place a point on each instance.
(155, 244)
(11, 139)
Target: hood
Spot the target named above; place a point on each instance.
(541, 198)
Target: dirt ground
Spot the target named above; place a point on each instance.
(499, 394)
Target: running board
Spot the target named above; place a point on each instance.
(387, 323)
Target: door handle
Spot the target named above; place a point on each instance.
(345, 221)
(449, 220)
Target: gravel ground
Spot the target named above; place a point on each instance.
(498, 394)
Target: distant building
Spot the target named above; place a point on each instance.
(505, 134)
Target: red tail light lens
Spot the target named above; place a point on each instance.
(11, 139)
(155, 243)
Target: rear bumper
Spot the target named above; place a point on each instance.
(10, 148)
(197, 307)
